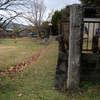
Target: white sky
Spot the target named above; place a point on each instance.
(56, 5)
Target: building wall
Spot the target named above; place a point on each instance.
(25, 33)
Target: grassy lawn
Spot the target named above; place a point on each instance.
(36, 81)
(12, 53)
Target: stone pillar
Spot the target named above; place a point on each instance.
(50, 30)
(73, 79)
(51, 36)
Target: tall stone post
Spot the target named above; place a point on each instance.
(73, 78)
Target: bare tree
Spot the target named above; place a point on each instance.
(36, 13)
(10, 9)
(50, 14)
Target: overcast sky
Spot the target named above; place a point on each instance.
(58, 4)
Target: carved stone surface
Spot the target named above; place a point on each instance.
(74, 47)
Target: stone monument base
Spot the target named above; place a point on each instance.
(52, 38)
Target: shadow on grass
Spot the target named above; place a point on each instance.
(7, 87)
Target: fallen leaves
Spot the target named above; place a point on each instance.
(23, 65)
(46, 61)
(6, 65)
(53, 77)
(89, 91)
(15, 41)
(35, 72)
(53, 88)
(20, 95)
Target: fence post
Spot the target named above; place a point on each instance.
(73, 78)
(95, 44)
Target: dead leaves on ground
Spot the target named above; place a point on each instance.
(23, 65)
(20, 95)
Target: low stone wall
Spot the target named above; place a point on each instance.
(90, 66)
(61, 69)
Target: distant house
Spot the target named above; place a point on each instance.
(9, 30)
(91, 14)
(24, 32)
(33, 29)
(1, 32)
(7, 33)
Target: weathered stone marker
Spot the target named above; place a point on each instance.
(45, 41)
(73, 79)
